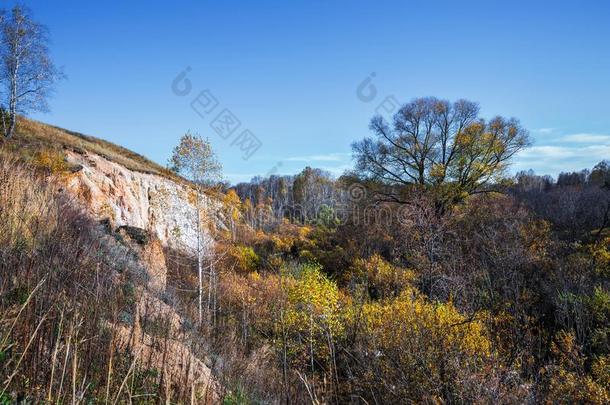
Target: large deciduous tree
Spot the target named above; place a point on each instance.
(195, 160)
(433, 144)
(27, 73)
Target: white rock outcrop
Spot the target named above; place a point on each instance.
(157, 204)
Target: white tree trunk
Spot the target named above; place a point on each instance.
(12, 108)
(199, 259)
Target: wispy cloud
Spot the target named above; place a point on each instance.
(586, 138)
(544, 131)
(329, 157)
(553, 159)
(547, 151)
(564, 153)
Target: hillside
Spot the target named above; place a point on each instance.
(82, 308)
(33, 137)
(85, 230)
(114, 184)
(314, 289)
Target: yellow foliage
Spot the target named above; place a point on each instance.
(436, 327)
(601, 371)
(281, 244)
(566, 381)
(312, 315)
(52, 161)
(380, 278)
(304, 231)
(536, 235)
(245, 258)
(438, 171)
(255, 297)
(601, 254)
(314, 290)
(232, 204)
(416, 346)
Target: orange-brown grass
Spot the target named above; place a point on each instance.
(33, 137)
(64, 283)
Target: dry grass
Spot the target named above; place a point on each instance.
(67, 289)
(33, 137)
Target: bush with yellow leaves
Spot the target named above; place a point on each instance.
(601, 255)
(410, 347)
(51, 161)
(253, 301)
(566, 381)
(312, 319)
(244, 258)
(378, 278)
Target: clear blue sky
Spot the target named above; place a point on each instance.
(289, 71)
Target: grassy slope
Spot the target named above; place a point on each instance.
(33, 137)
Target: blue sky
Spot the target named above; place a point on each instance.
(289, 72)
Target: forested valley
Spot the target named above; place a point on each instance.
(430, 272)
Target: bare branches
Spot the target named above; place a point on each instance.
(441, 146)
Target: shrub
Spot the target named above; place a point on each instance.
(245, 258)
(51, 161)
(409, 347)
(312, 316)
(378, 278)
(565, 380)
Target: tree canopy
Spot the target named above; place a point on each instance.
(195, 160)
(439, 145)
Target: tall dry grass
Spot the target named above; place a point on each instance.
(65, 288)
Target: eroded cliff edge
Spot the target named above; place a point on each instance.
(122, 197)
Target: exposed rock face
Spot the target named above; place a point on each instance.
(151, 255)
(157, 336)
(161, 206)
(150, 212)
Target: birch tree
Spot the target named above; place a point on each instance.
(194, 159)
(27, 73)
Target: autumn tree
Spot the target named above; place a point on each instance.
(312, 317)
(232, 208)
(600, 174)
(311, 189)
(436, 145)
(195, 160)
(27, 73)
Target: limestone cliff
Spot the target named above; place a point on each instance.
(137, 308)
(150, 212)
(164, 207)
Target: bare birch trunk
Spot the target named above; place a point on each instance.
(199, 265)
